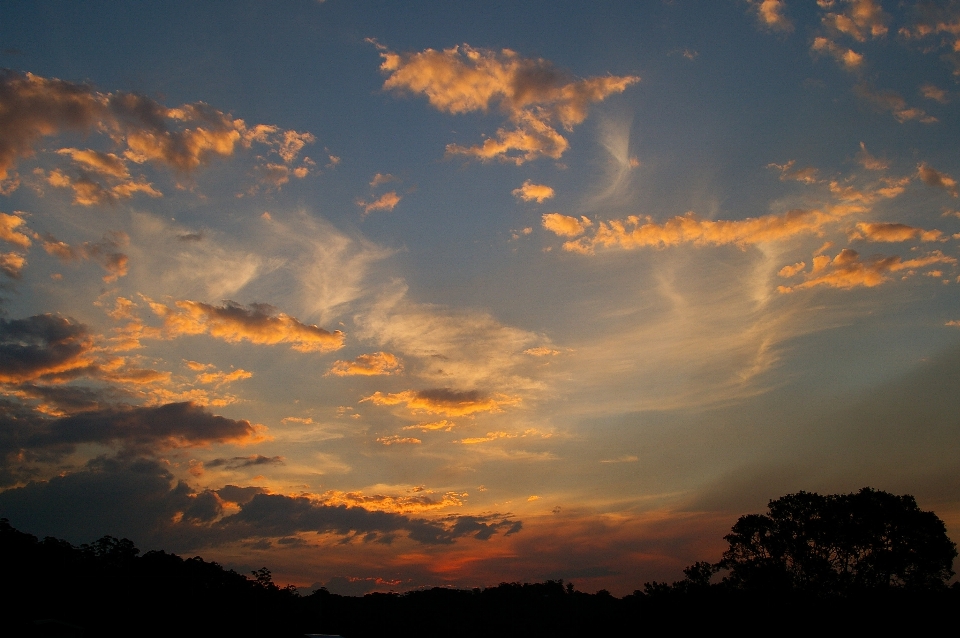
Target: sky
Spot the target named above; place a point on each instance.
(390, 295)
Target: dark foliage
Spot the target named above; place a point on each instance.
(854, 562)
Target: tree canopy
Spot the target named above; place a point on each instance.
(838, 543)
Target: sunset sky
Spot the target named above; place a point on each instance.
(385, 295)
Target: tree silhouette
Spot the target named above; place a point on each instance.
(838, 543)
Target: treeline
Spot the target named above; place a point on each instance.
(108, 588)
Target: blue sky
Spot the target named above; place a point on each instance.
(385, 295)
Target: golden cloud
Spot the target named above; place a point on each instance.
(564, 225)
(9, 232)
(529, 192)
(892, 232)
(870, 162)
(398, 440)
(387, 201)
(368, 365)
(770, 14)
(141, 129)
(442, 426)
(932, 177)
(541, 352)
(533, 94)
(806, 175)
(860, 20)
(257, 323)
(444, 401)
(847, 57)
(847, 270)
(416, 500)
(11, 264)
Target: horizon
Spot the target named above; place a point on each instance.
(393, 297)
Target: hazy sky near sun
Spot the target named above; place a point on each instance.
(387, 295)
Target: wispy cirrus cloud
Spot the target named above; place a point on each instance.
(535, 96)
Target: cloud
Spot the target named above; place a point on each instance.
(381, 178)
(139, 500)
(368, 365)
(847, 270)
(806, 175)
(529, 192)
(141, 130)
(240, 462)
(861, 20)
(541, 351)
(870, 162)
(533, 94)
(43, 346)
(433, 426)
(770, 14)
(105, 252)
(8, 230)
(387, 201)
(444, 401)
(418, 500)
(931, 177)
(847, 57)
(931, 92)
(635, 231)
(148, 429)
(892, 232)
(257, 323)
(11, 264)
(935, 19)
(398, 440)
(564, 225)
(894, 102)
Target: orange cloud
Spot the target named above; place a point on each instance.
(891, 232)
(529, 192)
(533, 94)
(932, 177)
(770, 14)
(420, 500)
(541, 352)
(11, 264)
(860, 20)
(398, 440)
(847, 57)
(847, 270)
(444, 401)
(387, 201)
(443, 426)
(9, 232)
(564, 225)
(806, 175)
(368, 365)
(490, 436)
(142, 130)
(257, 323)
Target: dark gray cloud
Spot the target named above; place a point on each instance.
(131, 429)
(245, 461)
(42, 346)
(139, 499)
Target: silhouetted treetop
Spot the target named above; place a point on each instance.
(839, 543)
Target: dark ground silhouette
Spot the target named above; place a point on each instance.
(857, 562)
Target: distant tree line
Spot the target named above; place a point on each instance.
(854, 562)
